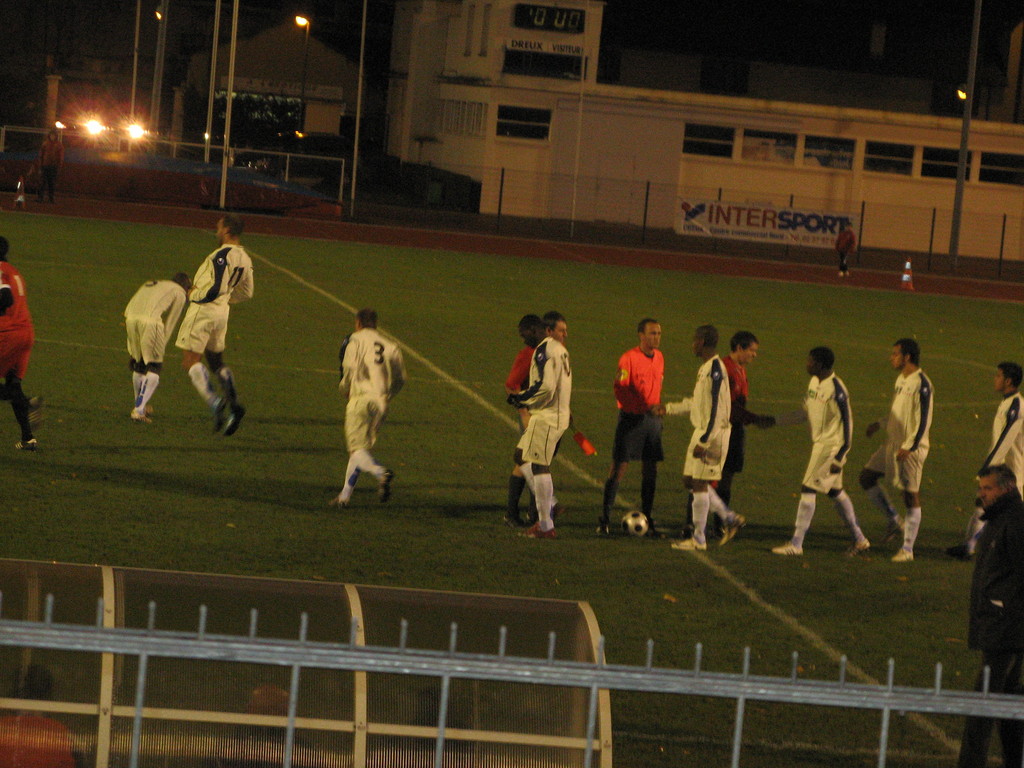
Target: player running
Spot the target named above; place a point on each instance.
(906, 447)
(826, 408)
(17, 334)
(224, 278)
(548, 399)
(372, 373)
(1007, 448)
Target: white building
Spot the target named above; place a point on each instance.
(492, 90)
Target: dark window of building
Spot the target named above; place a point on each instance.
(940, 163)
(827, 152)
(710, 140)
(523, 122)
(538, 64)
(883, 157)
(1002, 169)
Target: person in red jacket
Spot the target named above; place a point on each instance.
(30, 739)
(16, 338)
(531, 330)
(638, 433)
(846, 244)
(51, 158)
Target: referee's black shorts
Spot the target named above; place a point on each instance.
(637, 438)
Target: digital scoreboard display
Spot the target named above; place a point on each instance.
(549, 18)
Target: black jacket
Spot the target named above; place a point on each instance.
(997, 588)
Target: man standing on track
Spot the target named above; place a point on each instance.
(1007, 447)
(638, 432)
(372, 373)
(827, 409)
(224, 278)
(531, 330)
(903, 454)
(150, 318)
(548, 399)
(709, 410)
(17, 334)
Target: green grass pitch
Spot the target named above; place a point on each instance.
(172, 495)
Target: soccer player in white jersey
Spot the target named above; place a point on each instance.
(548, 398)
(903, 454)
(150, 318)
(826, 408)
(1007, 448)
(372, 373)
(224, 278)
(709, 409)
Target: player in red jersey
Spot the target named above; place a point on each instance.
(16, 338)
(638, 432)
(531, 329)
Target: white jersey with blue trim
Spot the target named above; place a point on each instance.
(550, 390)
(910, 417)
(711, 404)
(371, 366)
(1008, 437)
(224, 277)
(828, 412)
(158, 301)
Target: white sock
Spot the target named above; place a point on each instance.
(804, 515)
(366, 463)
(717, 506)
(527, 470)
(880, 500)
(201, 381)
(844, 508)
(149, 384)
(911, 527)
(701, 507)
(351, 475)
(136, 383)
(974, 529)
(544, 490)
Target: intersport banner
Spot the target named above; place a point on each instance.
(761, 221)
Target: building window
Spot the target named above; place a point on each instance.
(486, 33)
(827, 152)
(883, 157)
(537, 64)
(524, 122)
(709, 140)
(1002, 169)
(470, 13)
(462, 118)
(769, 147)
(940, 163)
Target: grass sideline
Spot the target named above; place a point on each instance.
(171, 495)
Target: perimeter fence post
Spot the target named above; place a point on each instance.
(647, 199)
(860, 229)
(501, 195)
(1002, 243)
(931, 241)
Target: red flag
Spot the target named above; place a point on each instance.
(585, 445)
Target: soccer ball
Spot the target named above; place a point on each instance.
(635, 523)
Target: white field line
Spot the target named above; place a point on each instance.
(752, 596)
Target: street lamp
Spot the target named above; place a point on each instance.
(303, 21)
(158, 69)
(135, 57)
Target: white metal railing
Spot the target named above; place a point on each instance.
(146, 644)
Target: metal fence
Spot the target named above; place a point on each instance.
(147, 645)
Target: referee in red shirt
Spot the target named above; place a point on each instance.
(638, 433)
(17, 336)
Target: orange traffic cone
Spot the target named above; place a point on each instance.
(907, 281)
(19, 194)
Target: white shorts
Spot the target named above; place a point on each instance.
(363, 419)
(146, 339)
(709, 466)
(905, 475)
(817, 474)
(204, 328)
(539, 440)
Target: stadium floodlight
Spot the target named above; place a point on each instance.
(59, 125)
(94, 127)
(136, 131)
(961, 93)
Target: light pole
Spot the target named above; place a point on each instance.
(225, 159)
(359, 113)
(158, 69)
(135, 58)
(213, 83)
(302, 21)
(965, 134)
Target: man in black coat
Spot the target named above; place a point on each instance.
(996, 625)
